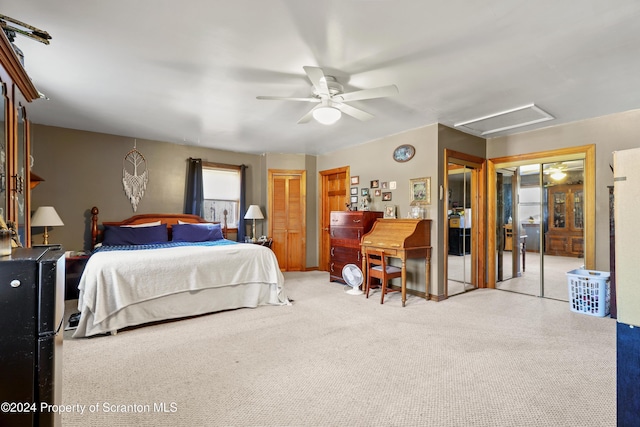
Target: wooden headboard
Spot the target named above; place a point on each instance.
(169, 219)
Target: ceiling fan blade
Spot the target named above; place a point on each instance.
(316, 75)
(283, 98)
(307, 117)
(377, 92)
(354, 112)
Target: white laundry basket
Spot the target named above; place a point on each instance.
(589, 292)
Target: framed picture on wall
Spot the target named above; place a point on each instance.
(375, 183)
(354, 199)
(355, 180)
(377, 193)
(354, 191)
(420, 191)
(364, 191)
(386, 196)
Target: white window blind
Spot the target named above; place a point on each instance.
(221, 189)
(221, 184)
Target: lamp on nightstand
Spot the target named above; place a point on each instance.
(254, 213)
(46, 216)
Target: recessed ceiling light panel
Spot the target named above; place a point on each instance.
(505, 120)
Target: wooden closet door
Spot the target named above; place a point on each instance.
(334, 195)
(287, 223)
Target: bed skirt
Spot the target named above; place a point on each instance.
(184, 304)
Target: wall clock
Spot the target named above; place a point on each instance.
(404, 153)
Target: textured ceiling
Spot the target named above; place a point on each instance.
(189, 72)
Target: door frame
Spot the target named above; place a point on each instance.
(324, 217)
(478, 204)
(584, 152)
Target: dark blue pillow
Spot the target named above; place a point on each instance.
(114, 235)
(196, 232)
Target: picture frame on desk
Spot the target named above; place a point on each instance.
(390, 211)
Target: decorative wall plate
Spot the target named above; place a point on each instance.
(404, 153)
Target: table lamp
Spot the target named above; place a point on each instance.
(254, 213)
(46, 216)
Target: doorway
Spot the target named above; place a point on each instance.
(333, 197)
(540, 223)
(464, 218)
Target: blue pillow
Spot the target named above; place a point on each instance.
(114, 235)
(196, 232)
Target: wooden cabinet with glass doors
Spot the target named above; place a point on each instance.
(565, 222)
(17, 91)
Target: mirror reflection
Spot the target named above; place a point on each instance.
(540, 227)
(459, 213)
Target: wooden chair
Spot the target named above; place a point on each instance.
(378, 268)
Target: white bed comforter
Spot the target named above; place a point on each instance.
(114, 280)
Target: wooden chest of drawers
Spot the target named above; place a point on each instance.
(346, 230)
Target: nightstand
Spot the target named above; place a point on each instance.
(74, 266)
(266, 243)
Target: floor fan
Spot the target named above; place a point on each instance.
(352, 276)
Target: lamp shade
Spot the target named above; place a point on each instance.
(46, 216)
(254, 212)
(327, 115)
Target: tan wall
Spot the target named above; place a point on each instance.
(609, 133)
(374, 161)
(84, 169)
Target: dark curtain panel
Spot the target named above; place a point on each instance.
(243, 202)
(194, 193)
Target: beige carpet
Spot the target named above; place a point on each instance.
(483, 358)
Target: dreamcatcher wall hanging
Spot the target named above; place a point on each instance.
(134, 183)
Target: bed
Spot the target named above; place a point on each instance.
(131, 278)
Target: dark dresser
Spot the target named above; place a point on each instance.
(346, 230)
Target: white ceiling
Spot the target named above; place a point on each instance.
(189, 72)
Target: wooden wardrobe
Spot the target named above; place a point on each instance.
(15, 166)
(565, 224)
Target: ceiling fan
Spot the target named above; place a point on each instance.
(12, 26)
(331, 98)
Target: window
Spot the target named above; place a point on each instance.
(221, 188)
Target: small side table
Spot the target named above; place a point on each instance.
(266, 243)
(74, 266)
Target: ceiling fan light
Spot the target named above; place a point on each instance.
(558, 175)
(327, 115)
